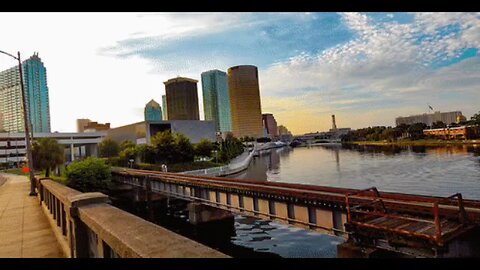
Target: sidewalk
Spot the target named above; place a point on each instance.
(24, 229)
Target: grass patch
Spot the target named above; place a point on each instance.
(60, 179)
(15, 171)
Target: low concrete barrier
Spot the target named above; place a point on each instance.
(86, 226)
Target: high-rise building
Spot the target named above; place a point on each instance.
(153, 111)
(245, 104)
(164, 107)
(11, 101)
(36, 95)
(429, 119)
(270, 125)
(216, 100)
(1, 122)
(182, 99)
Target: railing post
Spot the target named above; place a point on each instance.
(438, 228)
(462, 213)
(79, 234)
(375, 190)
(347, 204)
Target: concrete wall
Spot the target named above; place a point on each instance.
(195, 130)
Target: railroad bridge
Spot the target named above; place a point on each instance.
(373, 222)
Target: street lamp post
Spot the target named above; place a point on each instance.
(27, 126)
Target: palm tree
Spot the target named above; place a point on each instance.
(47, 153)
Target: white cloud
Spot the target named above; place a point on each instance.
(385, 65)
(85, 83)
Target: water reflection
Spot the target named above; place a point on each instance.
(428, 170)
(286, 241)
(249, 237)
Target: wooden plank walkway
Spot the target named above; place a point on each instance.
(24, 229)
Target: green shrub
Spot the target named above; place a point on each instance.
(89, 175)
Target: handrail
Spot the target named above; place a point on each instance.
(358, 194)
(462, 214)
(84, 223)
(462, 217)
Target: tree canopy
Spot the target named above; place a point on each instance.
(108, 148)
(47, 153)
(204, 148)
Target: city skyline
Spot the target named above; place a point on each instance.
(367, 69)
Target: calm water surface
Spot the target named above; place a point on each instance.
(440, 171)
(418, 170)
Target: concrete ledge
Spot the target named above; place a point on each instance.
(75, 201)
(60, 191)
(133, 237)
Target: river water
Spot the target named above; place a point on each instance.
(441, 171)
(419, 170)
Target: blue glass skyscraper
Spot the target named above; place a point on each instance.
(36, 93)
(216, 100)
(153, 111)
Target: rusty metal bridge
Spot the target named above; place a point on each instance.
(368, 217)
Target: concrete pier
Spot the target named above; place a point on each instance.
(200, 214)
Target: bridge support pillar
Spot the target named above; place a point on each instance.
(199, 213)
(350, 250)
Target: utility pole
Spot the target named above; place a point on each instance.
(27, 125)
(27, 131)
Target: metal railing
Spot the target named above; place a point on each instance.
(372, 205)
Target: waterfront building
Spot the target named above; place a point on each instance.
(87, 125)
(182, 99)
(164, 107)
(270, 125)
(141, 132)
(36, 95)
(245, 103)
(76, 145)
(216, 100)
(460, 133)
(428, 119)
(153, 111)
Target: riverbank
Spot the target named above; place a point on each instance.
(418, 142)
(238, 164)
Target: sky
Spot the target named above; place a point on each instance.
(366, 68)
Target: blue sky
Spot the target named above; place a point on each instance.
(367, 68)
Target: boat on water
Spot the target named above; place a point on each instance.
(296, 143)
